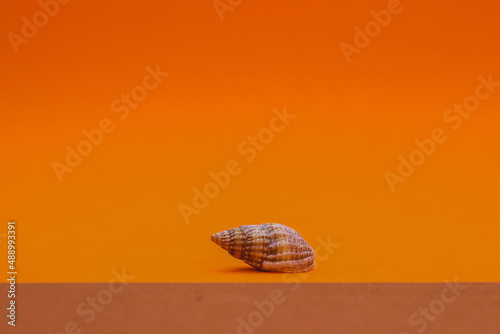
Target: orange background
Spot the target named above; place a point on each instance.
(323, 175)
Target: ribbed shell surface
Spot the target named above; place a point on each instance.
(270, 246)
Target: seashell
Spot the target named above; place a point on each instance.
(270, 247)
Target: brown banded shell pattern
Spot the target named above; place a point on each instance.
(270, 246)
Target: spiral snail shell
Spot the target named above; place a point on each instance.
(270, 247)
